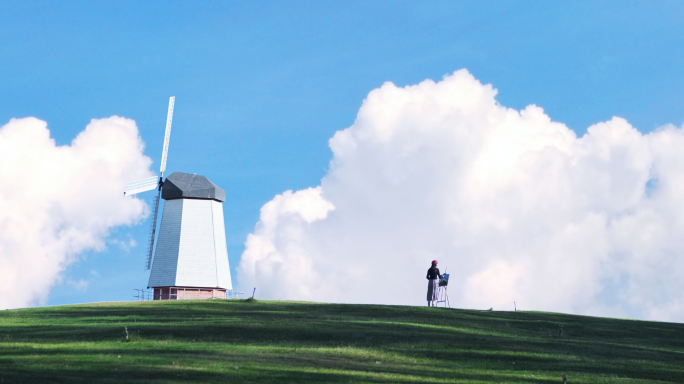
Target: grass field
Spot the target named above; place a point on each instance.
(242, 341)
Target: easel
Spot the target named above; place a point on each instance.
(442, 295)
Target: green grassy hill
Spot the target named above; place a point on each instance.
(242, 341)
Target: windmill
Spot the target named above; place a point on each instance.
(191, 257)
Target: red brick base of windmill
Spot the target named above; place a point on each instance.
(189, 293)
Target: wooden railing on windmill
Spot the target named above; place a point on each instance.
(191, 257)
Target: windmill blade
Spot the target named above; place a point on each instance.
(153, 230)
(167, 135)
(143, 185)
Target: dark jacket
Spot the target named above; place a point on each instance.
(433, 273)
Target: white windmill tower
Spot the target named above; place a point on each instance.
(191, 258)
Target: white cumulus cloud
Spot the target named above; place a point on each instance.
(57, 201)
(515, 205)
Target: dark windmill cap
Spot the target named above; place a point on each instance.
(187, 185)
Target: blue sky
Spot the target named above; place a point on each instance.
(260, 88)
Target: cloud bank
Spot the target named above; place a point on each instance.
(57, 201)
(515, 205)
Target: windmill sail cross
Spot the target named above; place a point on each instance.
(154, 182)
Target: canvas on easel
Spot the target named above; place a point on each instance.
(442, 295)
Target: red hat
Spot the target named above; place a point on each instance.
(434, 261)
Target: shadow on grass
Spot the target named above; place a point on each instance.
(240, 368)
(210, 337)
